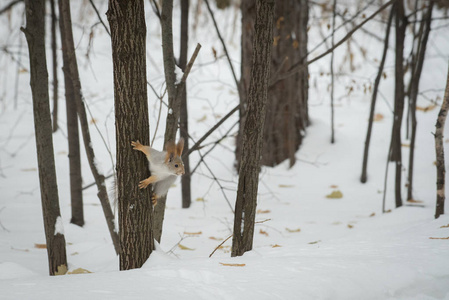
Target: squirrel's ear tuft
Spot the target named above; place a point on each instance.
(180, 147)
(171, 151)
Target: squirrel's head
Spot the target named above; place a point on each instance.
(173, 158)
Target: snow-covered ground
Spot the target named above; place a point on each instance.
(307, 246)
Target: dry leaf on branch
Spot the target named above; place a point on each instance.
(263, 232)
(293, 230)
(40, 246)
(260, 211)
(439, 238)
(182, 247)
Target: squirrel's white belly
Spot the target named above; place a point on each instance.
(160, 171)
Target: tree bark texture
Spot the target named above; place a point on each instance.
(287, 115)
(54, 57)
(76, 192)
(35, 35)
(72, 69)
(183, 118)
(364, 176)
(245, 207)
(439, 149)
(396, 151)
(128, 34)
(414, 89)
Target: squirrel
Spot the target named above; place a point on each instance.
(164, 166)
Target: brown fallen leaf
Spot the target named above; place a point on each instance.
(202, 119)
(233, 265)
(445, 226)
(275, 246)
(426, 108)
(62, 270)
(414, 201)
(334, 186)
(193, 233)
(315, 242)
(286, 185)
(378, 117)
(335, 195)
(439, 238)
(350, 226)
(199, 199)
(260, 211)
(372, 215)
(215, 238)
(79, 271)
(293, 230)
(182, 247)
(263, 232)
(40, 246)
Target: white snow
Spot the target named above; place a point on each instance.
(309, 247)
(59, 226)
(178, 73)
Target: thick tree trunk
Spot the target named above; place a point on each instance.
(76, 192)
(245, 207)
(183, 122)
(414, 88)
(128, 34)
(396, 151)
(72, 68)
(439, 149)
(55, 65)
(287, 115)
(35, 35)
(363, 178)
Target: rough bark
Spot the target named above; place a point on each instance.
(35, 35)
(363, 178)
(183, 119)
(54, 58)
(72, 69)
(414, 88)
(287, 115)
(396, 151)
(76, 194)
(128, 34)
(246, 202)
(439, 149)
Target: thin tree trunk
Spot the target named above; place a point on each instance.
(332, 74)
(363, 178)
(183, 123)
(286, 116)
(35, 35)
(396, 155)
(439, 149)
(245, 207)
(76, 189)
(128, 34)
(414, 88)
(72, 68)
(55, 65)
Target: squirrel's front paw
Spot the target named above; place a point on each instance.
(144, 183)
(136, 145)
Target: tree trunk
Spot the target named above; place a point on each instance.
(76, 192)
(439, 149)
(128, 34)
(363, 178)
(55, 65)
(287, 115)
(414, 88)
(396, 155)
(183, 122)
(35, 35)
(72, 68)
(245, 207)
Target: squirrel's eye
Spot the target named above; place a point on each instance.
(176, 166)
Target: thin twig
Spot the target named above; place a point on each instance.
(99, 17)
(218, 247)
(299, 65)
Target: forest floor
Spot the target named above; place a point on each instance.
(306, 245)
